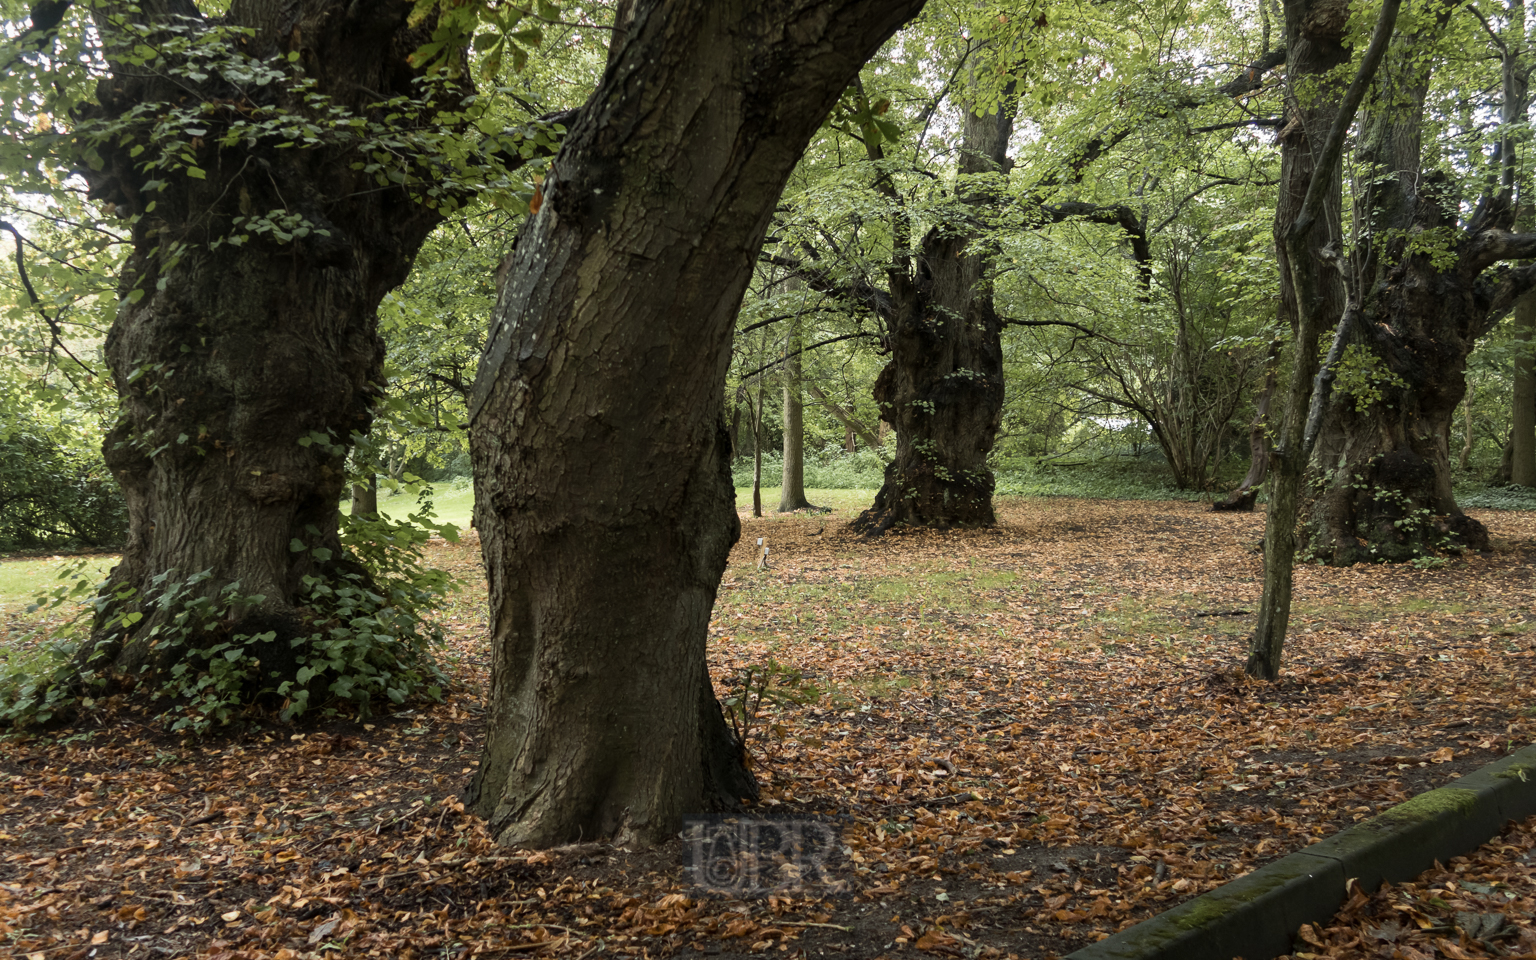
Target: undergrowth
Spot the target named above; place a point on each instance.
(367, 634)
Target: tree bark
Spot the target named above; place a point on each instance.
(226, 358)
(1388, 494)
(603, 494)
(1522, 413)
(365, 497)
(792, 483)
(1259, 445)
(1307, 219)
(942, 389)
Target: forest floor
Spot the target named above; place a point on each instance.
(1009, 742)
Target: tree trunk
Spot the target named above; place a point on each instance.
(365, 497)
(1259, 446)
(942, 389)
(227, 358)
(1307, 218)
(1522, 413)
(792, 486)
(1388, 494)
(603, 493)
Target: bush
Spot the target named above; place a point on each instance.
(362, 635)
(51, 497)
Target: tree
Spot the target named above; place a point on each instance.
(935, 293)
(277, 167)
(1306, 218)
(603, 495)
(1427, 282)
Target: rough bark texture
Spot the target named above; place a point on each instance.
(1385, 459)
(603, 494)
(234, 354)
(942, 389)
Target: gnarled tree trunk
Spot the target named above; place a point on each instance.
(943, 387)
(603, 495)
(228, 357)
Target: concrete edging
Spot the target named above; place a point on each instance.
(1256, 916)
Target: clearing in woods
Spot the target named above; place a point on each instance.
(1022, 739)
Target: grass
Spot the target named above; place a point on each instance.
(452, 503)
(845, 504)
(22, 580)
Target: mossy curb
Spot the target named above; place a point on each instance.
(1256, 917)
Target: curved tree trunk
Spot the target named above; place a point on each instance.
(227, 358)
(943, 387)
(603, 494)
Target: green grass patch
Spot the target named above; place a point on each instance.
(22, 580)
(844, 504)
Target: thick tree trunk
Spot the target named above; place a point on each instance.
(226, 358)
(1390, 497)
(792, 484)
(1522, 413)
(603, 495)
(1387, 458)
(943, 387)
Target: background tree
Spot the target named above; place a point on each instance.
(1426, 275)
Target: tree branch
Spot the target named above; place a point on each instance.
(55, 331)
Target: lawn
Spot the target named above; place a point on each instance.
(1025, 739)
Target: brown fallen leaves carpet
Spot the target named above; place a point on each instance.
(1021, 739)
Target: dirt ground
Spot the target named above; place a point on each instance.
(1008, 742)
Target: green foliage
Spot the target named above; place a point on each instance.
(756, 685)
(1361, 375)
(366, 635)
(830, 469)
(52, 496)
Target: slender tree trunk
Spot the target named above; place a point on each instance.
(603, 493)
(757, 453)
(1522, 414)
(1307, 218)
(365, 497)
(226, 357)
(792, 485)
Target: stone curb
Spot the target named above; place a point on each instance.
(1256, 916)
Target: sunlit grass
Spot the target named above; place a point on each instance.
(22, 580)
